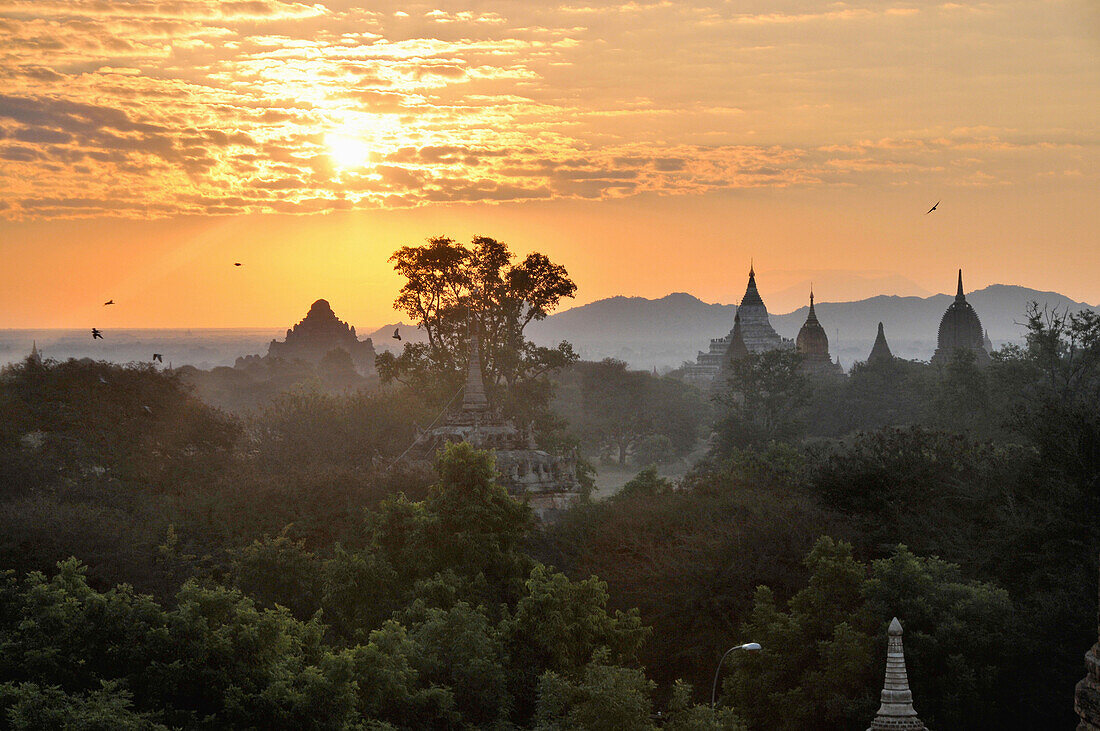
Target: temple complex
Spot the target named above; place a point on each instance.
(1087, 696)
(756, 335)
(548, 483)
(896, 710)
(880, 351)
(319, 333)
(813, 346)
(960, 329)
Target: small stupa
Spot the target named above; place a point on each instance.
(880, 351)
(896, 709)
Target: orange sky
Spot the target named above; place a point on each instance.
(648, 146)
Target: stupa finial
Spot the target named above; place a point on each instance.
(959, 294)
(896, 709)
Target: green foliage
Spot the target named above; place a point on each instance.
(646, 482)
(32, 707)
(605, 698)
(280, 571)
(558, 622)
(761, 399)
(129, 423)
(689, 560)
(683, 715)
(301, 429)
(822, 659)
(468, 524)
(460, 648)
(618, 413)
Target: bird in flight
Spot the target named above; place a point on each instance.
(932, 208)
(158, 357)
(397, 333)
(236, 263)
(96, 334)
(108, 302)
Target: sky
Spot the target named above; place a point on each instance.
(650, 147)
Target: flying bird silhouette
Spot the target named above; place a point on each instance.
(158, 357)
(96, 334)
(932, 208)
(108, 302)
(236, 263)
(397, 333)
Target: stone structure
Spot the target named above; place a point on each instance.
(547, 482)
(318, 334)
(960, 329)
(756, 336)
(813, 346)
(880, 351)
(896, 709)
(1087, 697)
(35, 356)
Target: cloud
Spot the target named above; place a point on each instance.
(163, 107)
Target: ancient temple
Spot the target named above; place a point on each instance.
(960, 329)
(547, 482)
(35, 356)
(813, 346)
(1086, 699)
(756, 336)
(880, 351)
(319, 333)
(896, 709)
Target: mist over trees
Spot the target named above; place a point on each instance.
(167, 564)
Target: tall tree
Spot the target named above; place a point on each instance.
(451, 288)
(762, 398)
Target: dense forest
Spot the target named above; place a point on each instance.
(166, 564)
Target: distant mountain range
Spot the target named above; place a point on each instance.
(665, 332)
(646, 333)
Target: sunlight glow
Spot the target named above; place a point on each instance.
(348, 151)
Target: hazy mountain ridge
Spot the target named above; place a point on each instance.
(644, 332)
(665, 332)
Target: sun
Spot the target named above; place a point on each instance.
(348, 151)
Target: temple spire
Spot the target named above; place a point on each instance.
(959, 295)
(896, 710)
(752, 296)
(35, 355)
(812, 315)
(474, 399)
(880, 350)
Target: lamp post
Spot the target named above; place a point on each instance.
(714, 687)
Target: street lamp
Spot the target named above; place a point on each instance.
(714, 688)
